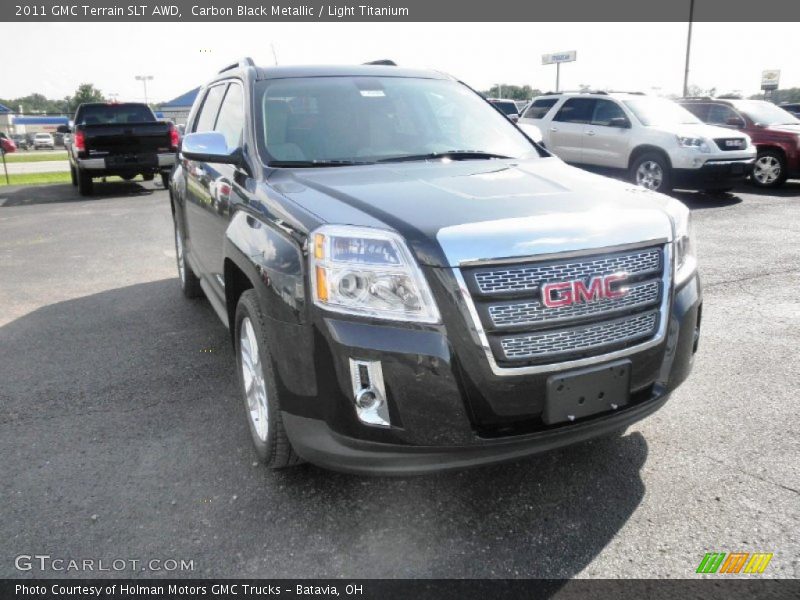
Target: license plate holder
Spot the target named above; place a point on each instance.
(576, 394)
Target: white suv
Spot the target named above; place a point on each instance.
(661, 144)
(43, 140)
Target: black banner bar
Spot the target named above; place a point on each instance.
(712, 588)
(398, 10)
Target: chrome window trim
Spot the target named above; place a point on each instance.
(666, 280)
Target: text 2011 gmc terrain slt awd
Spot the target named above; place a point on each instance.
(411, 284)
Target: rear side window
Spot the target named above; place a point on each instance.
(230, 122)
(604, 111)
(208, 112)
(539, 108)
(576, 110)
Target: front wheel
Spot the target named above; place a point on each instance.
(73, 176)
(769, 170)
(652, 171)
(257, 384)
(165, 180)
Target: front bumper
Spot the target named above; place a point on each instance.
(447, 410)
(713, 173)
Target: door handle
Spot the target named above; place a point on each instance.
(554, 129)
(590, 133)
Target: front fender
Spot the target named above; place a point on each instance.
(272, 262)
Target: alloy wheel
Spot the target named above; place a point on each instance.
(255, 388)
(649, 175)
(767, 170)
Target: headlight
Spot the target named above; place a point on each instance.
(368, 272)
(694, 142)
(683, 248)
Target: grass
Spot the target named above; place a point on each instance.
(34, 178)
(45, 178)
(34, 157)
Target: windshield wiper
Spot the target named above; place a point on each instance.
(451, 154)
(317, 163)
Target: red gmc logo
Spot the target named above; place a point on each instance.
(565, 293)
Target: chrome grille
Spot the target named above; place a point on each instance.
(529, 312)
(580, 338)
(525, 278)
(519, 330)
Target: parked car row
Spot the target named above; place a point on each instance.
(695, 143)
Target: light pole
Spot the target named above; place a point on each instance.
(144, 79)
(688, 50)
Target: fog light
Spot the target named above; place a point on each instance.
(369, 392)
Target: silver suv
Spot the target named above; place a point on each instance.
(658, 142)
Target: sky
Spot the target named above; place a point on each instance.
(646, 57)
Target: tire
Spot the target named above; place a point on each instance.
(72, 175)
(190, 283)
(165, 180)
(257, 374)
(652, 171)
(148, 176)
(85, 184)
(769, 170)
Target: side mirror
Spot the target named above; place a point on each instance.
(513, 117)
(620, 122)
(735, 122)
(208, 146)
(64, 129)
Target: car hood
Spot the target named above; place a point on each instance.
(707, 131)
(793, 129)
(454, 212)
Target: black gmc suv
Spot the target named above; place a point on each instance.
(411, 283)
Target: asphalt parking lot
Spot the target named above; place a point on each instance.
(121, 434)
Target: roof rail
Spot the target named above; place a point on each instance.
(245, 62)
(625, 92)
(384, 61)
(696, 98)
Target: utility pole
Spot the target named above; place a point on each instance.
(688, 50)
(144, 79)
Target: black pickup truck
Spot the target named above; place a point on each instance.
(411, 283)
(124, 139)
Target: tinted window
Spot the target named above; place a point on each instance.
(576, 110)
(508, 108)
(698, 110)
(230, 122)
(765, 113)
(208, 112)
(719, 114)
(540, 108)
(604, 111)
(365, 119)
(95, 114)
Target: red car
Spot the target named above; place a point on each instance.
(774, 131)
(7, 144)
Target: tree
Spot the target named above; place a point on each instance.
(512, 92)
(780, 96)
(86, 92)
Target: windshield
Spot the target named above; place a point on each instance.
(369, 119)
(765, 113)
(660, 112)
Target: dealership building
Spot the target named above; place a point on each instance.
(178, 108)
